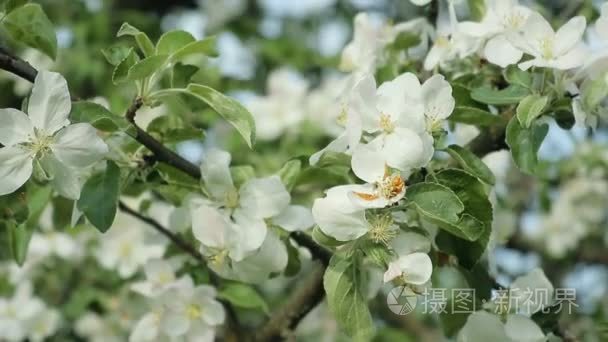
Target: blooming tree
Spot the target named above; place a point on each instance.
(223, 174)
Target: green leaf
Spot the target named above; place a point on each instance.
(99, 197)
(11, 5)
(474, 116)
(146, 67)
(441, 206)
(116, 54)
(530, 108)
(453, 281)
(143, 42)
(477, 216)
(30, 25)
(294, 264)
(241, 174)
(510, 95)
(122, 69)
(289, 173)
(181, 74)
(19, 239)
(14, 206)
(515, 76)
(324, 239)
(175, 135)
(342, 283)
(172, 41)
(98, 116)
(332, 159)
(205, 47)
(524, 144)
(243, 296)
(230, 109)
(406, 40)
(477, 9)
(471, 163)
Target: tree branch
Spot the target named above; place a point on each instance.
(161, 153)
(300, 303)
(174, 238)
(17, 66)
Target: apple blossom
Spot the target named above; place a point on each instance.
(560, 50)
(281, 110)
(127, 247)
(183, 311)
(502, 17)
(450, 43)
(46, 139)
(601, 25)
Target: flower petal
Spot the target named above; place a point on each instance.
(50, 103)
(501, 52)
(264, 197)
(15, 168)
(79, 146)
(569, 35)
(250, 235)
(210, 227)
(65, 180)
(403, 150)
(15, 127)
(294, 218)
(368, 163)
(215, 171)
(338, 217)
(437, 97)
(416, 268)
(522, 329)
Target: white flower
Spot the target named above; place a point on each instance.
(412, 265)
(341, 215)
(160, 276)
(270, 258)
(15, 312)
(383, 187)
(482, 326)
(370, 37)
(183, 311)
(282, 109)
(415, 268)
(561, 50)
(337, 216)
(323, 107)
(46, 138)
(502, 17)
(450, 43)
(395, 114)
(420, 2)
(601, 25)
(26, 317)
(43, 325)
(349, 117)
(125, 247)
(368, 40)
(54, 243)
(238, 227)
(96, 328)
(524, 291)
